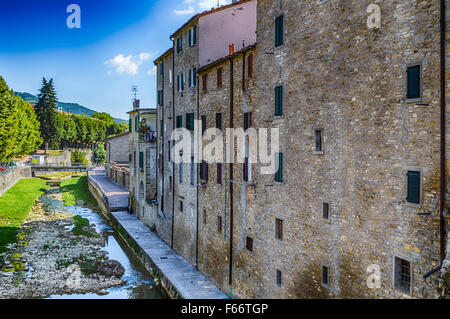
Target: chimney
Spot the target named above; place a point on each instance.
(231, 48)
(136, 104)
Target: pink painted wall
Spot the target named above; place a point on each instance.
(218, 30)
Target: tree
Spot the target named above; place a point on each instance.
(100, 154)
(19, 128)
(46, 113)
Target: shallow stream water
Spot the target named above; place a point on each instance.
(140, 284)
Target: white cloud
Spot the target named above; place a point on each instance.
(199, 6)
(128, 64)
(152, 71)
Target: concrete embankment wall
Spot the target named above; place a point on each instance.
(8, 180)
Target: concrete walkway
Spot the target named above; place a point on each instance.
(187, 281)
(115, 196)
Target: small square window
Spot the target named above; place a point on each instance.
(279, 278)
(326, 211)
(249, 244)
(402, 275)
(325, 275)
(279, 229)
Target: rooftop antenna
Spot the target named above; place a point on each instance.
(218, 3)
(134, 89)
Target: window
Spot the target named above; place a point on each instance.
(162, 204)
(219, 224)
(278, 278)
(279, 101)
(192, 77)
(203, 124)
(190, 121)
(249, 244)
(180, 172)
(250, 65)
(413, 83)
(204, 216)
(279, 229)
(219, 173)
(180, 82)
(204, 171)
(130, 125)
(161, 69)
(141, 161)
(279, 173)
(181, 206)
(402, 274)
(137, 124)
(205, 82)
(325, 275)
(279, 26)
(318, 138)
(413, 187)
(160, 97)
(193, 35)
(247, 120)
(326, 211)
(219, 77)
(179, 121)
(161, 125)
(219, 121)
(180, 44)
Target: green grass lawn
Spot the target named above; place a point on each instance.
(15, 205)
(76, 188)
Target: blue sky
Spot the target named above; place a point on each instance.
(97, 64)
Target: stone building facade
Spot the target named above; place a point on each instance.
(354, 210)
(118, 149)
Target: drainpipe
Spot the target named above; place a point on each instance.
(443, 105)
(196, 227)
(231, 179)
(173, 128)
(442, 252)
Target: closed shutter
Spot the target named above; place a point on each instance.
(250, 66)
(246, 169)
(219, 121)
(203, 124)
(219, 173)
(414, 187)
(279, 30)
(247, 120)
(190, 121)
(136, 126)
(194, 35)
(179, 121)
(130, 124)
(279, 173)
(205, 82)
(413, 74)
(279, 101)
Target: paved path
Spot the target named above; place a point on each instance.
(116, 197)
(188, 281)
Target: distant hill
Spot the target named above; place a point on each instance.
(74, 108)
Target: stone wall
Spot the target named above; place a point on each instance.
(118, 148)
(8, 180)
(119, 174)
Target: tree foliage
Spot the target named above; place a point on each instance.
(46, 113)
(100, 154)
(19, 127)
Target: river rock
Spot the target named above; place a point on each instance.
(109, 268)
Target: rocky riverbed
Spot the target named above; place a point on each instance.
(52, 259)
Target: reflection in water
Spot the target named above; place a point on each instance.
(139, 282)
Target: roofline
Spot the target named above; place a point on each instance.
(170, 50)
(145, 110)
(207, 12)
(225, 58)
(118, 135)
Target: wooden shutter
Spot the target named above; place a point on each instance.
(141, 161)
(194, 31)
(205, 82)
(413, 75)
(219, 173)
(219, 77)
(247, 120)
(219, 121)
(245, 170)
(414, 187)
(278, 101)
(278, 228)
(203, 124)
(279, 30)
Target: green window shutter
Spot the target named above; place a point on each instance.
(194, 31)
(194, 71)
(141, 161)
(279, 173)
(279, 26)
(136, 126)
(130, 124)
(279, 101)
(190, 121)
(179, 121)
(413, 90)
(413, 187)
